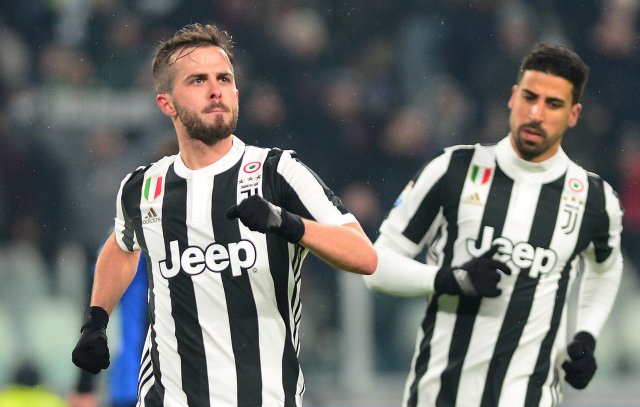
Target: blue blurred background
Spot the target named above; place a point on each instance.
(365, 91)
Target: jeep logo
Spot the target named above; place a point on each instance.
(537, 259)
(216, 257)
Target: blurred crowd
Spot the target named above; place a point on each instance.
(364, 91)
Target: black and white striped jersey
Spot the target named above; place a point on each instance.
(224, 301)
(545, 217)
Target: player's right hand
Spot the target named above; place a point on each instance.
(91, 352)
(478, 277)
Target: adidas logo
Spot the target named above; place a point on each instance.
(473, 199)
(152, 217)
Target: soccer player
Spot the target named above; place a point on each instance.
(224, 228)
(505, 227)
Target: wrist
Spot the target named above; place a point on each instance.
(443, 282)
(586, 339)
(95, 318)
(292, 228)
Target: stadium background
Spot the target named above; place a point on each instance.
(364, 91)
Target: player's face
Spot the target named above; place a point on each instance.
(541, 112)
(204, 94)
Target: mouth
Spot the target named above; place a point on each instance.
(531, 134)
(215, 109)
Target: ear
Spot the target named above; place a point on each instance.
(514, 90)
(575, 115)
(164, 102)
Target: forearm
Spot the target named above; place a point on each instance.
(115, 269)
(345, 247)
(400, 275)
(598, 290)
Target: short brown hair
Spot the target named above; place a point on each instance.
(190, 36)
(559, 61)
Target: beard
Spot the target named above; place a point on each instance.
(208, 134)
(529, 150)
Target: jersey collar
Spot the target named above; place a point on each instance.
(220, 166)
(517, 168)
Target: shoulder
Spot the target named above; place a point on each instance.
(468, 150)
(460, 154)
(597, 183)
(139, 175)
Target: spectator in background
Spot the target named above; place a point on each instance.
(629, 168)
(25, 390)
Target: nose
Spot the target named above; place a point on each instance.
(216, 91)
(537, 112)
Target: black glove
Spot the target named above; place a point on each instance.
(91, 352)
(582, 366)
(260, 215)
(478, 277)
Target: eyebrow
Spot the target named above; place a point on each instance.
(549, 99)
(197, 76)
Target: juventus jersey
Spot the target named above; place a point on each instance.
(545, 217)
(224, 301)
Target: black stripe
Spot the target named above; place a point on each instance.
(446, 194)
(422, 361)
(130, 199)
(184, 308)
(241, 306)
(156, 393)
(145, 373)
(521, 300)
(544, 363)
(277, 190)
(595, 212)
(427, 211)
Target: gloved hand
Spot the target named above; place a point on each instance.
(91, 352)
(582, 365)
(260, 215)
(478, 277)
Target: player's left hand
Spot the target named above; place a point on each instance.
(260, 215)
(582, 365)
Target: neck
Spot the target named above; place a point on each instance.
(195, 154)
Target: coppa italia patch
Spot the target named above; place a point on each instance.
(152, 188)
(252, 167)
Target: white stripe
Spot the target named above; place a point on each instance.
(309, 190)
(210, 296)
